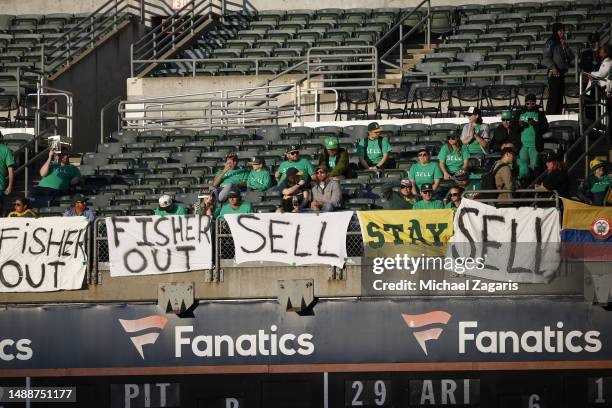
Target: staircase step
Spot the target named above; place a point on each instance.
(393, 76)
(389, 81)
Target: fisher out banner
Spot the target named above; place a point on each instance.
(155, 245)
(294, 239)
(250, 335)
(42, 255)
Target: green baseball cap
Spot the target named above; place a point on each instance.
(331, 142)
(506, 115)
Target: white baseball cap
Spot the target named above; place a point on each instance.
(165, 201)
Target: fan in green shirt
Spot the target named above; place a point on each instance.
(259, 178)
(58, 174)
(373, 151)
(294, 160)
(168, 207)
(424, 172)
(426, 203)
(6, 168)
(453, 156)
(234, 206)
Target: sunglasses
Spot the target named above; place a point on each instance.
(454, 194)
(505, 120)
(18, 205)
(426, 192)
(530, 103)
(294, 153)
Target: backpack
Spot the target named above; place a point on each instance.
(488, 180)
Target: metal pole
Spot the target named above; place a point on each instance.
(429, 24)
(142, 11)
(401, 46)
(26, 171)
(580, 107)
(132, 60)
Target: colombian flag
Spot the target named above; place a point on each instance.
(586, 231)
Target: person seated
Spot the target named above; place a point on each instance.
(475, 134)
(521, 172)
(373, 151)
(454, 197)
(294, 160)
(58, 178)
(235, 205)
(79, 208)
(505, 133)
(326, 192)
(259, 177)
(557, 178)
(598, 183)
(22, 209)
(424, 172)
(532, 124)
(453, 156)
(167, 207)
(229, 177)
(295, 192)
(600, 75)
(336, 159)
(427, 202)
(404, 199)
(463, 181)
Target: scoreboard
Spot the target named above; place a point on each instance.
(521, 389)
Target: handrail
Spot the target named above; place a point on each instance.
(112, 102)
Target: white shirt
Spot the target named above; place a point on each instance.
(604, 70)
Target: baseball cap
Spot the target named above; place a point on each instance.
(426, 187)
(374, 127)
(596, 163)
(461, 175)
(205, 193)
(233, 194)
(552, 157)
(473, 110)
(293, 148)
(406, 183)
(165, 201)
(292, 171)
(330, 142)
(506, 115)
(79, 198)
(257, 160)
(530, 97)
(423, 149)
(321, 167)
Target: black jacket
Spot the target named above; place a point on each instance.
(541, 127)
(502, 135)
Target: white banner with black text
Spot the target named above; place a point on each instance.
(42, 255)
(294, 239)
(154, 245)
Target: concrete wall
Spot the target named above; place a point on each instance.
(50, 6)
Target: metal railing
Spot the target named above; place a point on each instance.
(84, 35)
(224, 108)
(343, 67)
(168, 36)
(398, 29)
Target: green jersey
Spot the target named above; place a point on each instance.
(331, 162)
(452, 158)
(600, 184)
(375, 149)
(245, 208)
(528, 135)
(259, 180)
(428, 205)
(235, 176)
(59, 177)
(6, 161)
(302, 165)
(424, 173)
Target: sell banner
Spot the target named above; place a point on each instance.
(294, 239)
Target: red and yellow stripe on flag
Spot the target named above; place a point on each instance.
(586, 231)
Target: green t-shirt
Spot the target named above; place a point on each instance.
(523, 168)
(600, 184)
(451, 205)
(452, 159)
(528, 135)
(178, 210)
(233, 176)
(424, 173)
(259, 180)
(431, 205)
(302, 165)
(474, 147)
(331, 162)
(59, 176)
(245, 208)
(6, 161)
(373, 152)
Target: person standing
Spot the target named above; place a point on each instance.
(507, 132)
(532, 124)
(7, 173)
(557, 57)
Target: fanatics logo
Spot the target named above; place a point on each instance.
(146, 323)
(427, 319)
